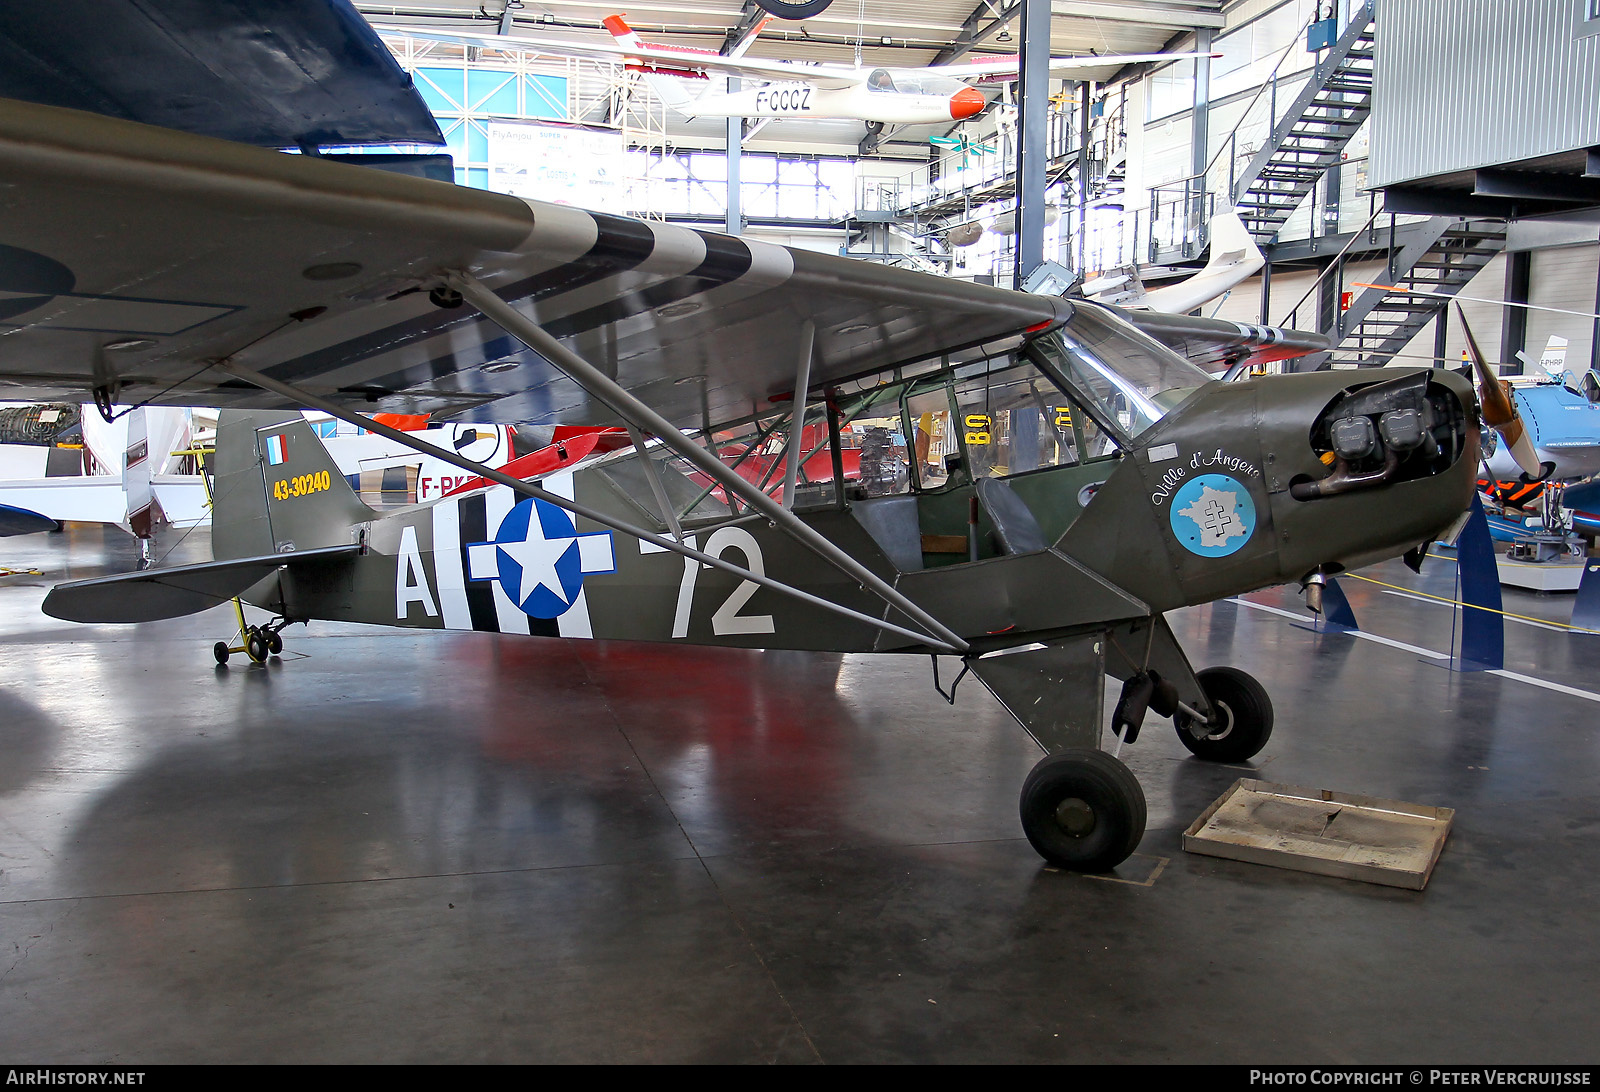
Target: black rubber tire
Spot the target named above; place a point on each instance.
(1249, 712)
(1082, 809)
(255, 646)
(274, 643)
(220, 651)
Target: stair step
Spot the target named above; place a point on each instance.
(1396, 307)
(1337, 105)
(1459, 274)
(1462, 251)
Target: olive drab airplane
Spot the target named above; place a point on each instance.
(1021, 482)
(907, 96)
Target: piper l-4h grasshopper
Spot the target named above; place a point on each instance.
(1031, 482)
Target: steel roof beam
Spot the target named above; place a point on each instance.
(974, 31)
(1536, 186)
(749, 16)
(1160, 15)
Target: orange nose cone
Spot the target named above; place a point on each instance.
(965, 103)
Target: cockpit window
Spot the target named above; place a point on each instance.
(1133, 379)
(920, 83)
(879, 80)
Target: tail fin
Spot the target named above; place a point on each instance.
(1234, 258)
(144, 511)
(277, 489)
(669, 89)
(1232, 243)
(625, 35)
(750, 37)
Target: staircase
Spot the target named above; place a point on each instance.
(1441, 257)
(1310, 138)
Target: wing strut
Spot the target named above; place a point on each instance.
(669, 514)
(797, 419)
(629, 407)
(528, 489)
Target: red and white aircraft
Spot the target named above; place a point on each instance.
(905, 96)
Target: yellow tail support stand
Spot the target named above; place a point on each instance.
(255, 642)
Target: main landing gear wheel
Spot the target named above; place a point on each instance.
(1244, 712)
(1083, 809)
(274, 642)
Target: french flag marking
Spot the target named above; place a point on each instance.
(275, 449)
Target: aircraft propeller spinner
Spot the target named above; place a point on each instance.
(1500, 411)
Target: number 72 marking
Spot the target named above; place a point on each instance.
(726, 619)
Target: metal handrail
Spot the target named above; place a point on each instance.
(1362, 230)
(1271, 79)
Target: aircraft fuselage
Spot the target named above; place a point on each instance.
(1201, 507)
(804, 100)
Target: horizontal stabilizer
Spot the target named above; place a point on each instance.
(170, 593)
(22, 521)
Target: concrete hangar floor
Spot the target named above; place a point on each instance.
(411, 847)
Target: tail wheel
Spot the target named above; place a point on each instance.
(274, 643)
(1244, 717)
(1083, 809)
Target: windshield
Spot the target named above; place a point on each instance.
(1133, 378)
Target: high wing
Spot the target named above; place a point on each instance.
(1218, 345)
(828, 76)
(277, 75)
(135, 258)
(1004, 66)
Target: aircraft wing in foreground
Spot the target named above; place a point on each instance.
(826, 454)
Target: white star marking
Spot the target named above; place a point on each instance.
(537, 556)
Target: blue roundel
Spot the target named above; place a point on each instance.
(538, 553)
(1212, 515)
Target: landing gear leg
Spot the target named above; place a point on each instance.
(1241, 721)
(1081, 808)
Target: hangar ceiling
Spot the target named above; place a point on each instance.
(887, 32)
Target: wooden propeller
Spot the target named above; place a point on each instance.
(1499, 409)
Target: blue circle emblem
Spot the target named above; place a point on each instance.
(538, 554)
(1213, 515)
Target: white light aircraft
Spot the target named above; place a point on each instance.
(1235, 257)
(902, 96)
